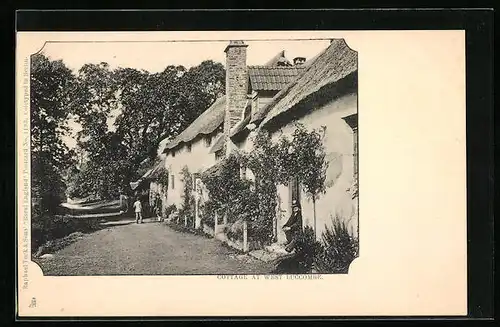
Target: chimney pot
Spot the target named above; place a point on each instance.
(299, 61)
(235, 43)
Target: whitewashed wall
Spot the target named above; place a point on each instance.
(197, 160)
(340, 174)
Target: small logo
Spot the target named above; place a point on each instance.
(33, 303)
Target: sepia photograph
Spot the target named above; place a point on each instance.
(189, 157)
(221, 173)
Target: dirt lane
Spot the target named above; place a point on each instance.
(147, 249)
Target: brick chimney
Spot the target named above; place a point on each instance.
(236, 86)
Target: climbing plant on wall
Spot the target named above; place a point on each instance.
(187, 211)
(162, 178)
(226, 189)
(261, 161)
(303, 156)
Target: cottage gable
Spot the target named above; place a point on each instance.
(205, 124)
(337, 62)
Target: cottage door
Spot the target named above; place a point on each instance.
(294, 189)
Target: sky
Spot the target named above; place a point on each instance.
(154, 56)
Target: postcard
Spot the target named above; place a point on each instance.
(236, 173)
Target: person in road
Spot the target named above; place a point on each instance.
(138, 211)
(293, 226)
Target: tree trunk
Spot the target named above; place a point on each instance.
(245, 236)
(314, 214)
(216, 225)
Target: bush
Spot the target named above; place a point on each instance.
(225, 188)
(186, 213)
(170, 209)
(47, 228)
(188, 229)
(235, 231)
(339, 249)
(207, 213)
(307, 248)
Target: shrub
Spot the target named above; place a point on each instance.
(235, 231)
(188, 229)
(307, 248)
(171, 208)
(261, 161)
(302, 261)
(47, 228)
(207, 213)
(340, 248)
(186, 213)
(228, 192)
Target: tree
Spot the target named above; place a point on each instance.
(148, 108)
(155, 106)
(95, 99)
(202, 85)
(304, 157)
(95, 102)
(52, 86)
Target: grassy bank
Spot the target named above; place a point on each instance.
(49, 229)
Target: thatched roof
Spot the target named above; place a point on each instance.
(240, 126)
(332, 65)
(206, 123)
(213, 170)
(151, 174)
(218, 144)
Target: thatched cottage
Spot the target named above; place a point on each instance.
(203, 142)
(318, 92)
(323, 94)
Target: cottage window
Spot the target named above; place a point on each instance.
(243, 172)
(208, 140)
(173, 153)
(172, 178)
(352, 121)
(218, 155)
(195, 178)
(188, 147)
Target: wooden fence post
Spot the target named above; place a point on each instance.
(216, 225)
(245, 236)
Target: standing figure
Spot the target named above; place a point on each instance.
(138, 211)
(158, 206)
(293, 226)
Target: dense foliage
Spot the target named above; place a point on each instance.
(260, 162)
(125, 113)
(51, 87)
(332, 255)
(303, 156)
(255, 201)
(307, 249)
(186, 213)
(163, 178)
(339, 248)
(227, 191)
